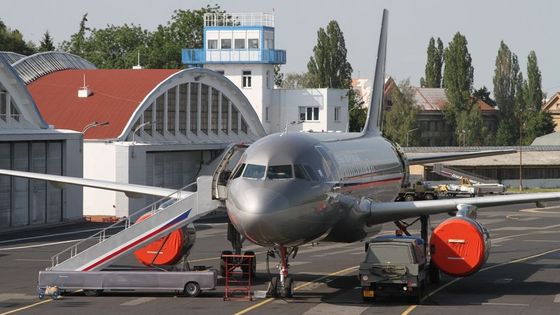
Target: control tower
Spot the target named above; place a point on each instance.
(241, 47)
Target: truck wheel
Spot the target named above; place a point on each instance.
(429, 197)
(92, 292)
(192, 289)
(409, 198)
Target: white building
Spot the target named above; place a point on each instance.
(242, 48)
(27, 143)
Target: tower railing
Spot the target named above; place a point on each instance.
(239, 19)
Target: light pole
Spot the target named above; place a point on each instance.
(521, 126)
(407, 133)
(464, 135)
(94, 124)
(138, 128)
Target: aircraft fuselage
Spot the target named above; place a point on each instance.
(283, 192)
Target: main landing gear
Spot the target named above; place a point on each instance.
(281, 286)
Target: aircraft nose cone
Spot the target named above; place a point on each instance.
(261, 201)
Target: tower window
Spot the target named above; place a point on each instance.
(226, 43)
(246, 79)
(253, 43)
(240, 43)
(337, 113)
(212, 44)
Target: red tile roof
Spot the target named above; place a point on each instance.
(116, 95)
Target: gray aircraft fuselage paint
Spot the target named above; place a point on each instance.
(294, 211)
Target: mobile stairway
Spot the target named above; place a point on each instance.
(81, 266)
(454, 173)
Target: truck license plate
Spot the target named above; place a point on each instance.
(368, 293)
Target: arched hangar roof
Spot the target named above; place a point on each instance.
(185, 106)
(32, 67)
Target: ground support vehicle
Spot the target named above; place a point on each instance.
(394, 266)
(93, 283)
(418, 191)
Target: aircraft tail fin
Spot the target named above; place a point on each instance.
(374, 119)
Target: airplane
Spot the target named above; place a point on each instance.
(293, 188)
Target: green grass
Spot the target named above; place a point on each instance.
(515, 190)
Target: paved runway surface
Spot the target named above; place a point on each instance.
(522, 275)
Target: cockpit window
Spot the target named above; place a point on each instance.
(254, 171)
(279, 172)
(309, 170)
(239, 171)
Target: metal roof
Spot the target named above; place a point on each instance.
(435, 99)
(116, 96)
(11, 57)
(37, 65)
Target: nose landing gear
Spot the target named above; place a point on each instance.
(282, 286)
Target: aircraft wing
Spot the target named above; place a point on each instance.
(440, 157)
(131, 190)
(381, 212)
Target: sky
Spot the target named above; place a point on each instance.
(522, 25)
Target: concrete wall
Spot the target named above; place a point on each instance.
(99, 163)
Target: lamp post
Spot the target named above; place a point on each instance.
(464, 135)
(138, 128)
(291, 123)
(521, 126)
(94, 124)
(407, 133)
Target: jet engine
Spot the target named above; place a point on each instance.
(460, 245)
(169, 249)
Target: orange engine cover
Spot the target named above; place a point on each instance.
(459, 246)
(169, 249)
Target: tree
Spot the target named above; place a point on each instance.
(329, 67)
(458, 76)
(184, 30)
(507, 83)
(401, 117)
(12, 40)
(535, 122)
(46, 44)
(278, 76)
(76, 43)
(484, 95)
(295, 81)
(434, 65)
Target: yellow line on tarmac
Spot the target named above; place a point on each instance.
(299, 287)
(412, 307)
(26, 307)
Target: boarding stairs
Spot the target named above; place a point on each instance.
(454, 173)
(125, 236)
(224, 170)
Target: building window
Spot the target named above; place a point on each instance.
(308, 113)
(266, 114)
(268, 79)
(337, 113)
(246, 79)
(212, 44)
(226, 43)
(3, 105)
(253, 43)
(239, 43)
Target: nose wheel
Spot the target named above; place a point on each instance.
(282, 286)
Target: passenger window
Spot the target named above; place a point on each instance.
(279, 172)
(254, 171)
(239, 171)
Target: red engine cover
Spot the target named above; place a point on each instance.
(458, 246)
(169, 249)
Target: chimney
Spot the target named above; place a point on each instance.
(84, 91)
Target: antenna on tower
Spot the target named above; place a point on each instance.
(138, 66)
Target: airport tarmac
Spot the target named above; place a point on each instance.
(521, 275)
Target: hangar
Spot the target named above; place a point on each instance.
(28, 143)
(145, 126)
